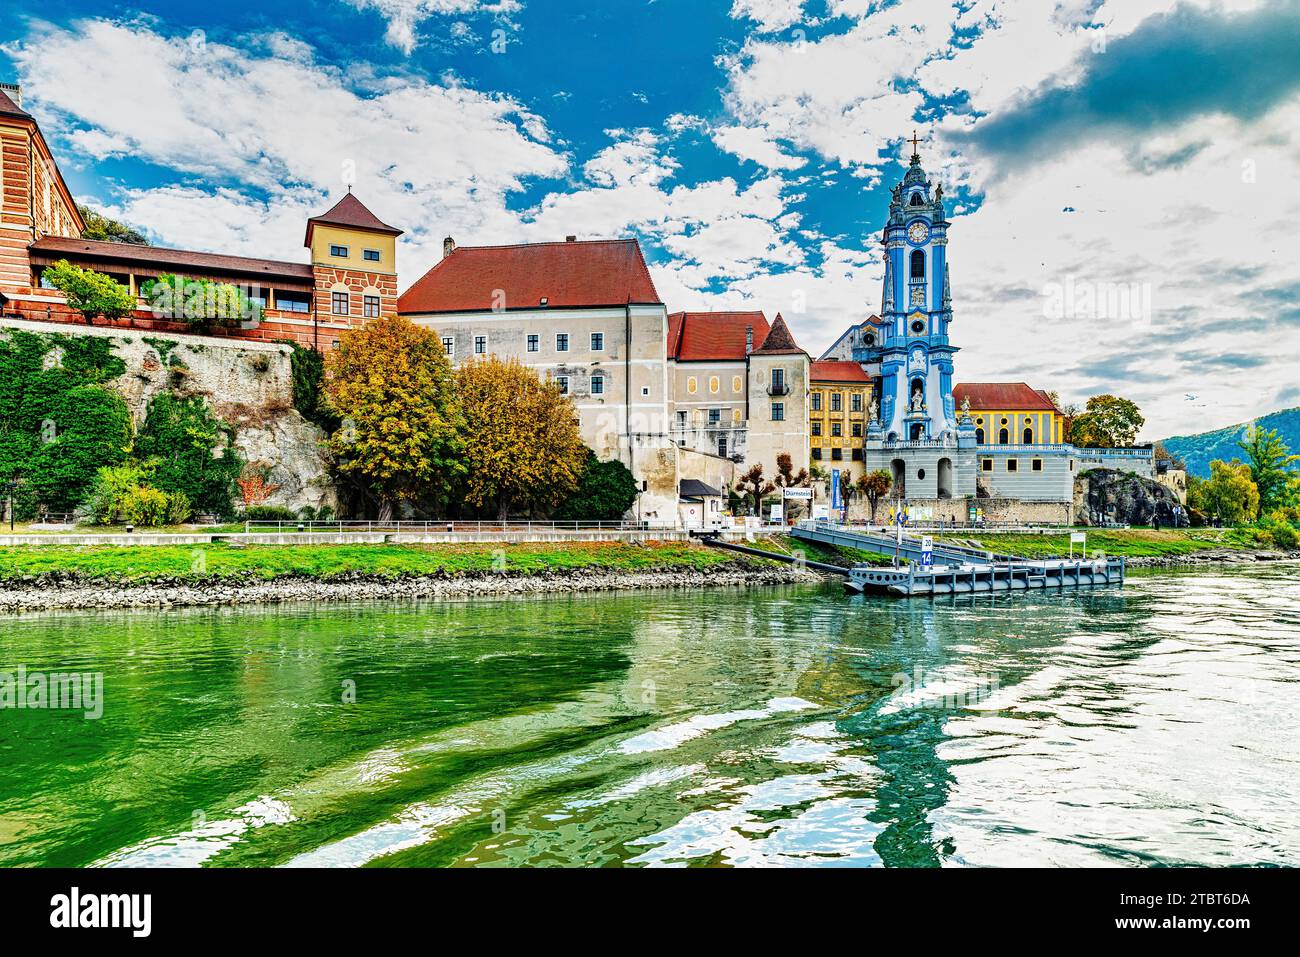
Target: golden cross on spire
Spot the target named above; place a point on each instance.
(914, 141)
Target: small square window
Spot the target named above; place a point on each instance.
(339, 303)
(563, 382)
(598, 342)
(1038, 465)
(480, 345)
(986, 465)
(598, 385)
(1013, 465)
(371, 255)
(837, 455)
(817, 455)
(561, 342)
(339, 251)
(370, 307)
(532, 343)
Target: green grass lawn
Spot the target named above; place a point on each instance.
(144, 562)
(1129, 542)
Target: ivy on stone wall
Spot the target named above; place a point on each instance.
(190, 451)
(59, 422)
(308, 381)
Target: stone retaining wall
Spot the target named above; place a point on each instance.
(58, 592)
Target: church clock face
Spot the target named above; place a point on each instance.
(918, 232)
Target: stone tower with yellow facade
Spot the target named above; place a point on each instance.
(354, 259)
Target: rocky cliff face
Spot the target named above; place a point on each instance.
(1108, 496)
(247, 384)
(250, 386)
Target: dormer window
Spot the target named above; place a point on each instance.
(340, 252)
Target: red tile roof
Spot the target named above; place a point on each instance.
(51, 248)
(351, 212)
(837, 370)
(608, 272)
(779, 341)
(1002, 397)
(701, 336)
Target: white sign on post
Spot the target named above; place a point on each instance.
(927, 551)
(778, 513)
(804, 494)
(1081, 539)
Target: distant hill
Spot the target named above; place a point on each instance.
(1198, 450)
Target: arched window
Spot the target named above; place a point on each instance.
(916, 199)
(979, 436)
(1004, 437)
(918, 264)
(1029, 436)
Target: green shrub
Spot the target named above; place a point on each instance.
(270, 513)
(200, 302)
(1278, 533)
(89, 292)
(323, 514)
(108, 494)
(145, 506)
(193, 452)
(606, 490)
(178, 508)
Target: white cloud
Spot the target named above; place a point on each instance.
(283, 134)
(749, 142)
(770, 15)
(405, 16)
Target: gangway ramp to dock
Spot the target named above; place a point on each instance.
(954, 569)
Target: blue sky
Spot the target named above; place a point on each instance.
(1122, 174)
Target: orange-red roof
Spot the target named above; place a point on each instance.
(1002, 397)
(567, 275)
(779, 341)
(700, 336)
(837, 370)
(351, 212)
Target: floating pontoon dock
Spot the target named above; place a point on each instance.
(956, 570)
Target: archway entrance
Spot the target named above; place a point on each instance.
(945, 478)
(899, 468)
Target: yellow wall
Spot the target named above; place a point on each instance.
(1047, 426)
(846, 417)
(323, 237)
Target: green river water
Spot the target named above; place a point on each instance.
(1151, 725)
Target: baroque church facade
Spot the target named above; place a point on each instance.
(956, 450)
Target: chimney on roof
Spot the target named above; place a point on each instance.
(448, 247)
(749, 339)
(14, 92)
(570, 239)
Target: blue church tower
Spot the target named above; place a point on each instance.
(915, 430)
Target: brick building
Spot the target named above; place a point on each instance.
(351, 275)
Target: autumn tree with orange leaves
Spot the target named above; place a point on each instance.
(392, 385)
(522, 448)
